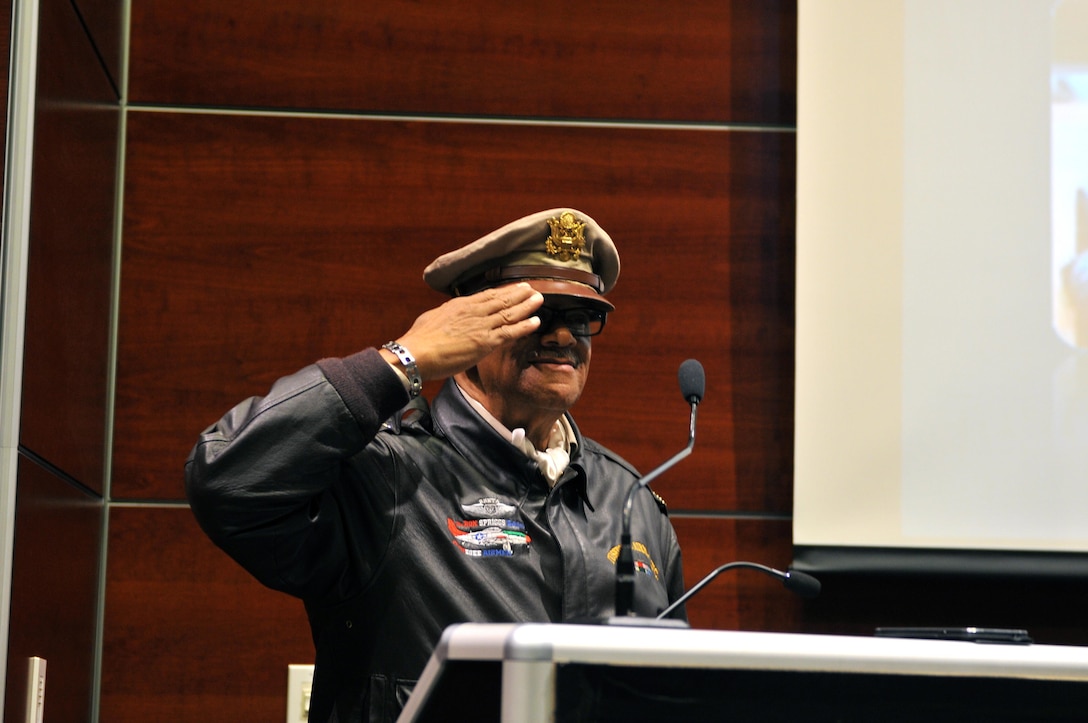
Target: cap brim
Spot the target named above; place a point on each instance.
(554, 287)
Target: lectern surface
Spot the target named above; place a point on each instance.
(535, 673)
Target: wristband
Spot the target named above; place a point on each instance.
(415, 382)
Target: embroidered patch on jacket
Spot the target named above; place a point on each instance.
(644, 563)
(490, 537)
(489, 507)
(489, 530)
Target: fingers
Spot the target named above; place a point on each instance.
(521, 316)
(510, 305)
(507, 311)
(457, 334)
(519, 329)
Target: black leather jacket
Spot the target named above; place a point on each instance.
(391, 532)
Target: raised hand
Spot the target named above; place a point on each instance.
(454, 336)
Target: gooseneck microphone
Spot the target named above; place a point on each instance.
(692, 385)
(799, 582)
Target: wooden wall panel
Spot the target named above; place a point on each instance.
(255, 245)
(738, 599)
(54, 593)
(70, 269)
(711, 60)
(105, 24)
(189, 636)
(59, 508)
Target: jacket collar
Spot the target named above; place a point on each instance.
(480, 443)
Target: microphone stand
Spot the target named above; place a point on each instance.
(801, 583)
(625, 562)
(692, 380)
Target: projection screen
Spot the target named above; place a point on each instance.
(942, 286)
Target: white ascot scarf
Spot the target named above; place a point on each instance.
(552, 461)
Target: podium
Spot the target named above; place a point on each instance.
(537, 673)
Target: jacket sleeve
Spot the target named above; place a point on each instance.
(262, 480)
(675, 574)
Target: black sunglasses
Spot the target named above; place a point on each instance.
(580, 321)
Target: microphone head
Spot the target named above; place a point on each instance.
(692, 381)
(802, 583)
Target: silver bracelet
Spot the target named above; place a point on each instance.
(415, 382)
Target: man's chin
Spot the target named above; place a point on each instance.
(554, 386)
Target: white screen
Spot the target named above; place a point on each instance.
(942, 249)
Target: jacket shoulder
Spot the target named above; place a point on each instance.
(599, 449)
(596, 448)
(416, 415)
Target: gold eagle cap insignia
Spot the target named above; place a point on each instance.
(568, 238)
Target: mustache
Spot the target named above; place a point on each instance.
(562, 356)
